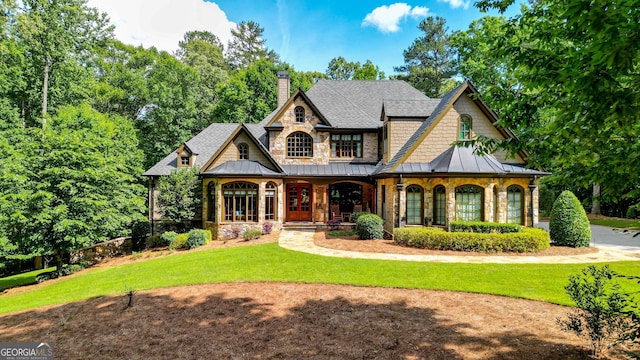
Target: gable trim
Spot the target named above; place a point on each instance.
(241, 128)
(305, 98)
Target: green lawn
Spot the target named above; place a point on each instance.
(269, 262)
(26, 278)
(617, 223)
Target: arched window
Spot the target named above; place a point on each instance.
(439, 205)
(270, 201)
(514, 204)
(465, 127)
(414, 205)
(299, 144)
(299, 111)
(211, 202)
(240, 201)
(469, 203)
(243, 151)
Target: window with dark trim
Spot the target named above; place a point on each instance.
(299, 144)
(469, 203)
(414, 205)
(240, 201)
(346, 145)
(299, 111)
(465, 127)
(211, 202)
(243, 151)
(439, 205)
(184, 160)
(514, 204)
(270, 201)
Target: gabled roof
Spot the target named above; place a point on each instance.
(271, 123)
(464, 160)
(204, 144)
(409, 108)
(252, 136)
(357, 104)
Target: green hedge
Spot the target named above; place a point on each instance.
(527, 240)
(180, 242)
(198, 237)
(369, 226)
(568, 222)
(484, 227)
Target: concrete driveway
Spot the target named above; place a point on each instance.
(610, 238)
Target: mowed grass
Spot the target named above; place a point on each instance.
(269, 262)
(22, 279)
(617, 223)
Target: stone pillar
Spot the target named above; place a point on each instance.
(428, 203)
(451, 202)
(488, 202)
(502, 204)
(401, 203)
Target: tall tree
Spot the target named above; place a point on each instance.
(72, 184)
(341, 69)
(247, 46)
(58, 34)
(430, 62)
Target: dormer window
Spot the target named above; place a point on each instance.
(243, 151)
(184, 160)
(465, 127)
(299, 111)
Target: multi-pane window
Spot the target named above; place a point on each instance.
(346, 145)
(270, 201)
(514, 204)
(243, 151)
(469, 203)
(211, 202)
(414, 205)
(240, 201)
(465, 127)
(439, 205)
(299, 144)
(299, 112)
(184, 160)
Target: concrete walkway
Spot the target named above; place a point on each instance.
(301, 240)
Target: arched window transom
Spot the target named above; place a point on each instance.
(299, 111)
(515, 204)
(270, 201)
(439, 205)
(414, 205)
(240, 201)
(469, 203)
(299, 144)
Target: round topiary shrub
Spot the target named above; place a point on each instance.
(568, 222)
(369, 227)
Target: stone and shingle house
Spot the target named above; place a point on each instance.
(349, 146)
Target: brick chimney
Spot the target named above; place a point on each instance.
(284, 90)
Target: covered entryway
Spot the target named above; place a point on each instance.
(345, 198)
(298, 202)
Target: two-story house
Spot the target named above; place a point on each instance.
(350, 146)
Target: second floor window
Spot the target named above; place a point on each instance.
(465, 127)
(346, 145)
(299, 111)
(243, 151)
(184, 160)
(299, 144)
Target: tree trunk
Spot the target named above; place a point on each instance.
(45, 92)
(595, 206)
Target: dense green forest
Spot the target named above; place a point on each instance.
(82, 114)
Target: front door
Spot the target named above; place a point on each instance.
(298, 202)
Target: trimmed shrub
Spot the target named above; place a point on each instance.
(198, 237)
(168, 237)
(266, 228)
(356, 215)
(251, 234)
(632, 212)
(527, 240)
(370, 227)
(568, 222)
(180, 242)
(482, 227)
(155, 241)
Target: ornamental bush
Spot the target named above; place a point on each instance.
(180, 242)
(155, 241)
(568, 222)
(167, 237)
(369, 226)
(484, 227)
(527, 240)
(251, 234)
(198, 237)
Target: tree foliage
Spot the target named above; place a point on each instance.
(247, 46)
(341, 69)
(568, 222)
(430, 61)
(180, 195)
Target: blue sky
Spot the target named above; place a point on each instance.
(307, 34)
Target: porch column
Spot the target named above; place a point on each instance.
(502, 204)
(451, 202)
(401, 202)
(488, 202)
(428, 203)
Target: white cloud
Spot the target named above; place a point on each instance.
(387, 17)
(163, 23)
(457, 3)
